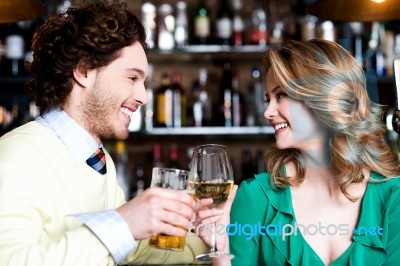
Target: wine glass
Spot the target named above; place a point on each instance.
(211, 176)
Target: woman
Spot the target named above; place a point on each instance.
(329, 195)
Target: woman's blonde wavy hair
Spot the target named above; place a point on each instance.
(327, 78)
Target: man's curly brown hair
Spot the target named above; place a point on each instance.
(90, 35)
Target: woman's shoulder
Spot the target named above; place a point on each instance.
(259, 182)
(380, 181)
(261, 187)
(385, 188)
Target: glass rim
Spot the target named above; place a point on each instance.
(169, 169)
(210, 145)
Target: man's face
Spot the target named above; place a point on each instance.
(117, 92)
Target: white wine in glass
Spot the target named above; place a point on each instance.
(211, 176)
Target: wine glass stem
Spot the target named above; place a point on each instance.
(214, 239)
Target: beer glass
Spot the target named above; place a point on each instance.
(172, 179)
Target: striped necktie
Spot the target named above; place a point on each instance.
(98, 161)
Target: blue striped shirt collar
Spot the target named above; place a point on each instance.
(79, 142)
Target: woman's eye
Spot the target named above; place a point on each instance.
(281, 95)
(133, 78)
(266, 103)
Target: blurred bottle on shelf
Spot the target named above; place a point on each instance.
(224, 23)
(388, 50)
(225, 105)
(149, 16)
(2, 54)
(251, 109)
(202, 107)
(328, 31)
(163, 103)
(396, 50)
(377, 57)
(308, 27)
(202, 24)
(139, 180)
(358, 44)
(179, 101)
(166, 27)
(157, 155)
(238, 24)
(181, 26)
(237, 105)
(18, 116)
(277, 33)
(14, 50)
(124, 176)
(247, 166)
(173, 156)
(149, 107)
(259, 26)
(257, 86)
(260, 162)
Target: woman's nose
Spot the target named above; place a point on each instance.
(270, 111)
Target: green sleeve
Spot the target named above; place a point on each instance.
(393, 231)
(245, 217)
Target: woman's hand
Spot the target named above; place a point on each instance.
(206, 218)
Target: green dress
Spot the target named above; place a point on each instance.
(259, 213)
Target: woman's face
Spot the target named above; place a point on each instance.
(295, 125)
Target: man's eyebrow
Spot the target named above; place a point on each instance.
(141, 72)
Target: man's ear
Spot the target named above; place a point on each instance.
(83, 76)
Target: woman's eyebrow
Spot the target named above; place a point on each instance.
(273, 91)
(276, 88)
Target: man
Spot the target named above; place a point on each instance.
(59, 199)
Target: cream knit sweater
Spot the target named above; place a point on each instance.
(40, 187)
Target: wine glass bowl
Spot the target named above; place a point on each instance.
(211, 176)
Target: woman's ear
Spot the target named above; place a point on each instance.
(83, 77)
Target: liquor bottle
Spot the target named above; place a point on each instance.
(157, 155)
(149, 22)
(257, 85)
(247, 165)
(15, 52)
(122, 169)
(238, 24)
(164, 101)
(259, 29)
(202, 24)
(181, 26)
(224, 21)
(237, 105)
(260, 161)
(173, 156)
(202, 108)
(179, 101)
(225, 106)
(149, 107)
(139, 184)
(166, 27)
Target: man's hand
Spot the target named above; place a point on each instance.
(158, 210)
